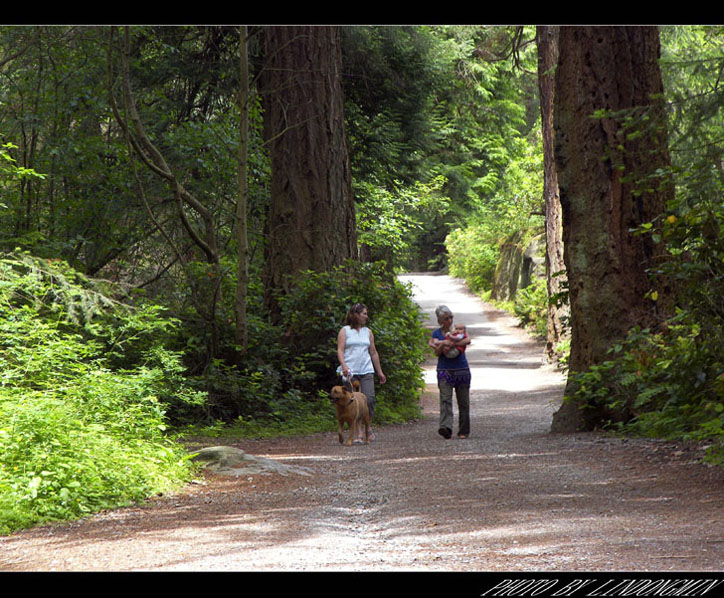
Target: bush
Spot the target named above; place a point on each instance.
(77, 436)
(97, 444)
(671, 381)
(314, 312)
(473, 255)
(531, 307)
(290, 364)
(668, 384)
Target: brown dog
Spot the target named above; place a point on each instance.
(351, 409)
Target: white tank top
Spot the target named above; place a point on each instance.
(357, 351)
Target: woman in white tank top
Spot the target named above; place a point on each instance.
(357, 354)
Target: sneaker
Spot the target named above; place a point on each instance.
(445, 432)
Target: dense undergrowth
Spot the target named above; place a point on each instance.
(83, 394)
(665, 382)
(668, 382)
(290, 365)
(93, 402)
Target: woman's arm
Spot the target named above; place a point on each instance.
(441, 346)
(341, 342)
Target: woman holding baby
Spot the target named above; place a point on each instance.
(453, 373)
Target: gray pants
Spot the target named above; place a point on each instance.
(367, 387)
(462, 393)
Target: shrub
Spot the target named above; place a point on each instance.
(531, 307)
(473, 255)
(314, 312)
(77, 435)
(668, 384)
(291, 364)
(93, 445)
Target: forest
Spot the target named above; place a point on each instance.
(187, 212)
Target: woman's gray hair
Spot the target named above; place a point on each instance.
(443, 310)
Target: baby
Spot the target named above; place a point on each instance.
(456, 335)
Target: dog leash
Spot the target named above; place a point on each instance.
(347, 381)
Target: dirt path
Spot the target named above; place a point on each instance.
(511, 498)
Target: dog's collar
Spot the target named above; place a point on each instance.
(336, 399)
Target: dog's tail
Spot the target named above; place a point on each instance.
(355, 385)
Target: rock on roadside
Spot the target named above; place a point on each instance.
(231, 461)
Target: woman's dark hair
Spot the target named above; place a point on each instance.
(352, 317)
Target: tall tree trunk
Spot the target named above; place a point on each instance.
(311, 222)
(609, 179)
(242, 242)
(547, 42)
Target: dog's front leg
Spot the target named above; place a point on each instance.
(340, 435)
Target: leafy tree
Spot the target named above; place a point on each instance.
(391, 75)
(54, 109)
(204, 236)
(488, 114)
(391, 224)
(431, 102)
(11, 173)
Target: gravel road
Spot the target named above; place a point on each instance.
(512, 497)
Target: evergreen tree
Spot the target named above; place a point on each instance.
(311, 224)
(610, 173)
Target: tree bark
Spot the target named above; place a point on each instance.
(610, 180)
(311, 221)
(242, 242)
(547, 42)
